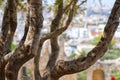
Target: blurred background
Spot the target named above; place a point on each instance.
(82, 35)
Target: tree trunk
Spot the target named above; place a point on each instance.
(19, 57)
(9, 25)
(11, 72)
(2, 74)
(29, 48)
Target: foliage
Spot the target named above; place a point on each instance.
(22, 6)
(82, 52)
(82, 75)
(57, 2)
(29, 74)
(2, 4)
(75, 55)
(13, 46)
(116, 74)
(112, 53)
(97, 39)
(1, 1)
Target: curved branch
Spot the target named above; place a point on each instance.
(7, 56)
(59, 31)
(9, 25)
(12, 25)
(5, 23)
(4, 29)
(36, 63)
(84, 62)
(27, 23)
(32, 39)
(54, 42)
(28, 50)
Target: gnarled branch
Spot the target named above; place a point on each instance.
(9, 25)
(4, 29)
(59, 31)
(12, 25)
(54, 42)
(84, 62)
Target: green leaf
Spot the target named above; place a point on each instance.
(57, 2)
(1, 1)
(13, 46)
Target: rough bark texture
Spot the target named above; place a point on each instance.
(37, 23)
(11, 25)
(53, 41)
(84, 62)
(8, 29)
(26, 51)
(31, 44)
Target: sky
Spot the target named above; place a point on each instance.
(90, 2)
(104, 2)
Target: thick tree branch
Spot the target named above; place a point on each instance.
(12, 25)
(84, 62)
(29, 49)
(36, 20)
(59, 31)
(36, 63)
(5, 24)
(36, 24)
(54, 42)
(16, 60)
(27, 23)
(4, 30)
(7, 56)
(9, 25)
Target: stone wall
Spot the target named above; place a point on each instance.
(105, 66)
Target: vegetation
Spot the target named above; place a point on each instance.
(97, 39)
(31, 44)
(82, 76)
(13, 46)
(112, 53)
(116, 74)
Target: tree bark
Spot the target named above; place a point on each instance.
(8, 28)
(2, 74)
(12, 25)
(36, 24)
(84, 62)
(19, 57)
(54, 43)
(28, 47)
(28, 50)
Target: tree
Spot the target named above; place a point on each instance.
(31, 44)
